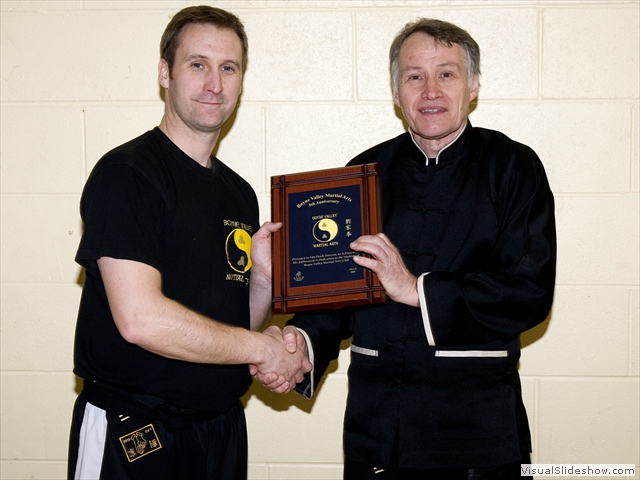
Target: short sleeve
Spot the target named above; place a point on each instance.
(123, 214)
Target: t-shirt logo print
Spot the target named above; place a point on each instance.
(238, 248)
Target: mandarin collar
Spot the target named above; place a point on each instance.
(446, 154)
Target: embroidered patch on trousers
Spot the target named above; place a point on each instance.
(141, 442)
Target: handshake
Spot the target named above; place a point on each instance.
(286, 360)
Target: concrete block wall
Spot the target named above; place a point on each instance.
(79, 77)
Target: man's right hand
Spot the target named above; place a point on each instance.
(289, 363)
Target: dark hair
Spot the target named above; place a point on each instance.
(443, 32)
(200, 15)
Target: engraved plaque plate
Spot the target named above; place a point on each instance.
(322, 212)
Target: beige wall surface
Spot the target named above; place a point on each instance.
(78, 77)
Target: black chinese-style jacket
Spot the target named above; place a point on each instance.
(477, 227)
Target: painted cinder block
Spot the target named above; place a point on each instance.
(304, 56)
(588, 421)
(561, 347)
(634, 332)
(43, 151)
(635, 146)
(590, 52)
(170, 6)
(34, 470)
(291, 429)
(38, 326)
(39, 5)
(562, 135)
(242, 146)
(597, 239)
(322, 471)
(86, 56)
(40, 236)
(316, 137)
(110, 124)
(36, 415)
(508, 50)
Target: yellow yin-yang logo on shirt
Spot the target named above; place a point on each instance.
(238, 247)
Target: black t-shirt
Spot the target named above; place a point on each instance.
(149, 202)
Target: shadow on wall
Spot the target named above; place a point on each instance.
(536, 333)
(80, 281)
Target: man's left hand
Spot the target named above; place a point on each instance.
(385, 261)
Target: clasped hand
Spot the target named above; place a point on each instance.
(384, 259)
(287, 363)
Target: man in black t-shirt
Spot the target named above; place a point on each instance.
(178, 281)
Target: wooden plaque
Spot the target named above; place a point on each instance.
(322, 212)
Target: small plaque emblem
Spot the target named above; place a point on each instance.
(140, 443)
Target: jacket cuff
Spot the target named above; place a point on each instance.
(425, 310)
(306, 387)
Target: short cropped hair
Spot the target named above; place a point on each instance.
(442, 32)
(200, 15)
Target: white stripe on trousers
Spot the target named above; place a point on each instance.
(93, 433)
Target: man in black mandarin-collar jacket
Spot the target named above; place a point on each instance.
(467, 259)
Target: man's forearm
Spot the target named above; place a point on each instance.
(145, 317)
(260, 307)
(260, 288)
(169, 329)
(172, 330)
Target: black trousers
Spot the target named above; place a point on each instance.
(135, 448)
(359, 471)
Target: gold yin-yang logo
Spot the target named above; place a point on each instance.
(325, 230)
(238, 247)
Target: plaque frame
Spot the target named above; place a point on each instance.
(288, 298)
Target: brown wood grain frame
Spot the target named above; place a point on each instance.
(289, 297)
